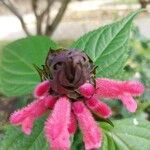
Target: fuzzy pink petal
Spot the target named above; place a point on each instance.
(123, 90)
(33, 110)
(50, 101)
(72, 125)
(133, 87)
(129, 102)
(91, 132)
(56, 127)
(98, 107)
(108, 88)
(87, 90)
(27, 125)
(42, 88)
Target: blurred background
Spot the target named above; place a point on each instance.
(66, 20)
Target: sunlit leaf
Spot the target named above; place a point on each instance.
(108, 46)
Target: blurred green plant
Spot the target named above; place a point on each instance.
(140, 57)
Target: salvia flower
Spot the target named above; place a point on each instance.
(70, 89)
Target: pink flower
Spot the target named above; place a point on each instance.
(62, 122)
(74, 104)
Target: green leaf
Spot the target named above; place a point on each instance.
(108, 46)
(2, 44)
(128, 134)
(77, 143)
(16, 140)
(18, 75)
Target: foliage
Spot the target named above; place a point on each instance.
(18, 75)
(108, 48)
(127, 134)
(15, 139)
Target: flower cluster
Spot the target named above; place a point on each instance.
(73, 100)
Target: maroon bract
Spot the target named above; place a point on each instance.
(73, 93)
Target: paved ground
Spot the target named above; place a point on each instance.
(79, 18)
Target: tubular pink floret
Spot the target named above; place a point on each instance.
(108, 88)
(35, 109)
(128, 102)
(73, 124)
(42, 89)
(98, 107)
(50, 101)
(27, 125)
(56, 127)
(91, 132)
(123, 90)
(29, 113)
(133, 87)
(87, 90)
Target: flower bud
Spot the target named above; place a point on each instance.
(69, 70)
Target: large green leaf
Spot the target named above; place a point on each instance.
(108, 46)
(18, 75)
(127, 134)
(16, 140)
(2, 44)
